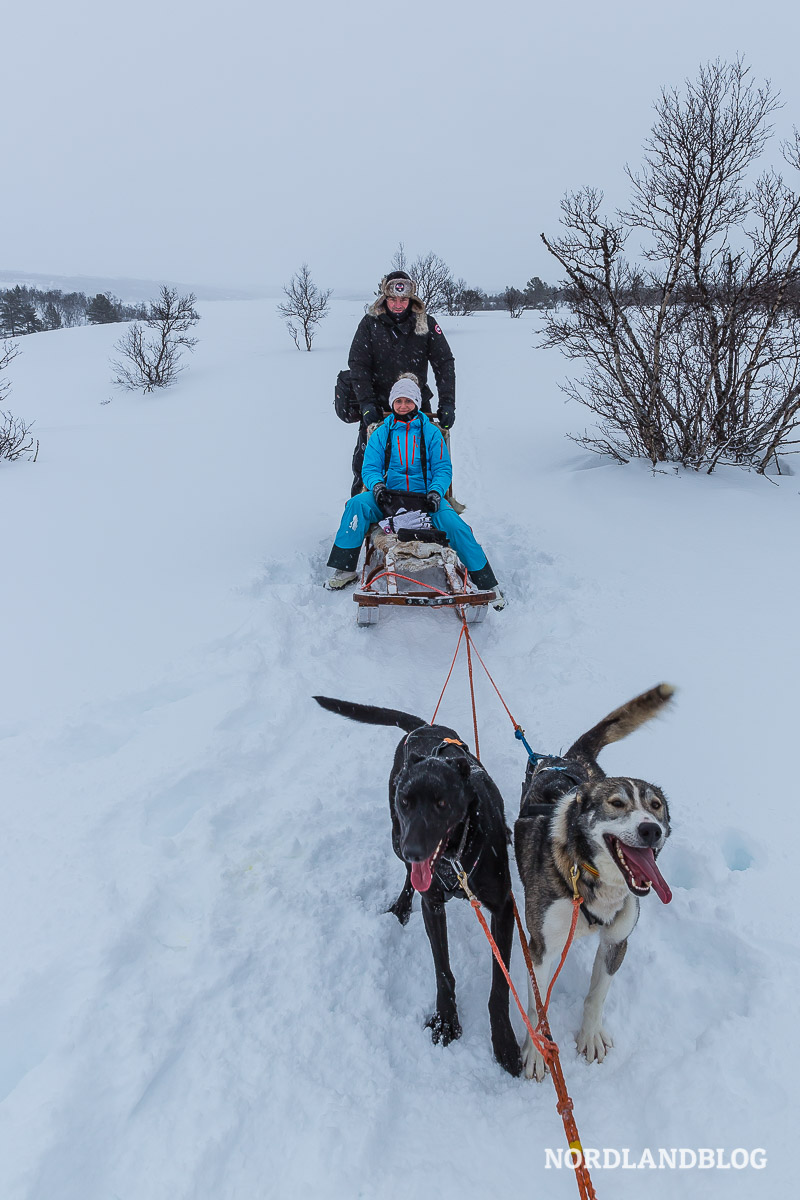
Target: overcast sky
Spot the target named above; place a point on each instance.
(227, 143)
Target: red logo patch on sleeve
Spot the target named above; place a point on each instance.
(438, 330)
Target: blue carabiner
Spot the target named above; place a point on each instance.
(519, 733)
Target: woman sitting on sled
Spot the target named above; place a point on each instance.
(406, 454)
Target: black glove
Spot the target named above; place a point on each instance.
(446, 416)
(434, 500)
(370, 414)
(381, 496)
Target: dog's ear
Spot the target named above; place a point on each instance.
(464, 767)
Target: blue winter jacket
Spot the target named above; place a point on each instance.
(405, 466)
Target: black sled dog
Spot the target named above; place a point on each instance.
(444, 805)
(610, 830)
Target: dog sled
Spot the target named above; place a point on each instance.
(413, 573)
(416, 572)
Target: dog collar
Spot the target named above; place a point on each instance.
(463, 841)
(454, 860)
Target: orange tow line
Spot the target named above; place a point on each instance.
(541, 1035)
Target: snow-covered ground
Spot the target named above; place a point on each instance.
(202, 997)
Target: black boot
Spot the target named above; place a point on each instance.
(342, 559)
(484, 579)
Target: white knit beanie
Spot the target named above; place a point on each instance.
(407, 388)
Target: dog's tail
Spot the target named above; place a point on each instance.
(621, 722)
(370, 714)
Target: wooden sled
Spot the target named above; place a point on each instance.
(416, 575)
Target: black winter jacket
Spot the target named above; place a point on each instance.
(382, 349)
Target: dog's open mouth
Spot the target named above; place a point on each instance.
(638, 866)
(422, 872)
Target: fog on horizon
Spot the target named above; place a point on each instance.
(175, 140)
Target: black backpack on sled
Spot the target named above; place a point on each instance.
(344, 399)
(347, 407)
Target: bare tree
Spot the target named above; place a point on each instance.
(471, 299)
(693, 351)
(16, 439)
(151, 360)
(435, 284)
(460, 300)
(514, 301)
(8, 352)
(306, 305)
(452, 291)
(432, 277)
(73, 308)
(399, 258)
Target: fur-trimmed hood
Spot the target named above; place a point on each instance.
(379, 309)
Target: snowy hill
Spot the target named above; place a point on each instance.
(202, 997)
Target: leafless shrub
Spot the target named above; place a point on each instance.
(151, 360)
(8, 352)
(452, 295)
(514, 301)
(693, 352)
(471, 300)
(432, 277)
(306, 305)
(436, 287)
(460, 300)
(16, 439)
(399, 261)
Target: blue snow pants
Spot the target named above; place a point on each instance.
(361, 511)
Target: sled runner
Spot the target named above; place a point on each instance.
(418, 574)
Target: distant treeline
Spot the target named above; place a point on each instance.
(31, 310)
(637, 293)
(724, 289)
(535, 294)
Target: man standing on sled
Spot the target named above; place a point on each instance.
(407, 455)
(397, 335)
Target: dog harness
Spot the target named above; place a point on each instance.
(530, 812)
(435, 752)
(452, 861)
(590, 917)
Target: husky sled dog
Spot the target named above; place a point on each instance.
(611, 829)
(444, 806)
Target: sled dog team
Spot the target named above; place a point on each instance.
(577, 828)
(445, 808)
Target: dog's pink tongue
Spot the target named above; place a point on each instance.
(645, 861)
(421, 875)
